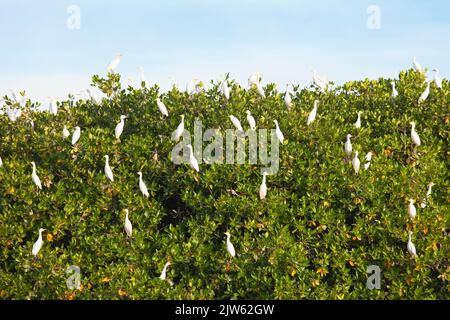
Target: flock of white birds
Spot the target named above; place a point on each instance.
(195, 86)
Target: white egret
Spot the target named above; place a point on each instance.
(356, 163)
(192, 161)
(254, 79)
(142, 186)
(424, 201)
(410, 246)
(368, 159)
(225, 89)
(143, 79)
(162, 107)
(114, 63)
(320, 81)
(251, 121)
(417, 65)
(394, 93)
(348, 146)
(236, 123)
(108, 171)
(119, 128)
(35, 177)
(230, 247)
(127, 225)
(358, 121)
(425, 94)
(179, 131)
(53, 106)
(313, 113)
(411, 209)
(414, 135)
(263, 187)
(437, 80)
(287, 98)
(65, 132)
(260, 90)
(76, 135)
(38, 244)
(164, 271)
(278, 132)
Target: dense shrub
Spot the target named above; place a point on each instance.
(313, 237)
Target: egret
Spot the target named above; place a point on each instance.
(348, 146)
(411, 209)
(225, 89)
(114, 63)
(394, 93)
(236, 123)
(411, 247)
(278, 132)
(368, 159)
(424, 204)
(108, 171)
(194, 86)
(142, 186)
(260, 90)
(65, 132)
(164, 271)
(143, 79)
(76, 135)
(425, 94)
(414, 136)
(53, 106)
(254, 79)
(417, 65)
(437, 79)
(263, 187)
(251, 121)
(127, 225)
(162, 108)
(179, 131)
(119, 128)
(192, 161)
(38, 244)
(35, 177)
(230, 247)
(312, 114)
(358, 121)
(319, 81)
(287, 98)
(1, 162)
(356, 163)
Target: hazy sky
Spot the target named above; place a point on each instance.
(282, 39)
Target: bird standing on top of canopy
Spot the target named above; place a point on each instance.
(225, 89)
(127, 225)
(119, 128)
(287, 98)
(414, 135)
(108, 171)
(65, 132)
(76, 135)
(411, 209)
(179, 131)
(425, 94)
(437, 80)
(142, 186)
(394, 93)
(53, 106)
(236, 123)
(38, 244)
(162, 107)
(358, 121)
(114, 63)
(260, 90)
(251, 121)
(320, 81)
(278, 132)
(417, 65)
(348, 146)
(192, 161)
(312, 114)
(35, 177)
(410, 246)
(263, 187)
(164, 271)
(356, 163)
(230, 247)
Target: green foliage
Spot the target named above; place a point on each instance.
(313, 237)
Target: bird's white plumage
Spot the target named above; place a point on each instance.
(38, 244)
(263, 187)
(410, 246)
(437, 80)
(425, 94)
(192, 161)
(119, 127)
(76, 135)
(127, 225)
(164, 271)
(417, 65)
(35, 177)
(368, 158)
(114, 63)
(260, 90)
(162, 107)
(108, 170)
(179, 131)
(394, 93)
(142, 186)
(65, 133)
(356, 163)
(230, 247)
(348, 146)
(358, 121)
(414, 135)
(411, 209)
(251, 121)
(53, 106)
(225, 89)
(236, 123)
(278, 132)
(287, 98)
(312, 114)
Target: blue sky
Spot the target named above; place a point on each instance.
(282, 39)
